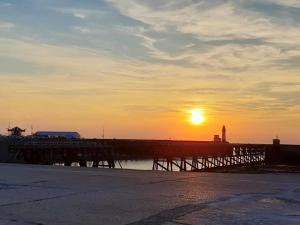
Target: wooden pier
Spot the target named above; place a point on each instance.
(166, 155)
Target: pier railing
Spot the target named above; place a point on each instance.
(208, 163)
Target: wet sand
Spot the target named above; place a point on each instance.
(48, 195)
(257, 169)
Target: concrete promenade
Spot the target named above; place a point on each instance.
(48, 195)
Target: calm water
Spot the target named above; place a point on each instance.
(135, 165)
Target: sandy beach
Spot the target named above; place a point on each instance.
(48, 195)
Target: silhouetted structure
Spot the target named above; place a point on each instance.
(217, 138)
(57, 134)
(16, 131)
(185, 155)
(224, 134)
(65, 147)
(276, 141)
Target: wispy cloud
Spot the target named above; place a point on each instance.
(5, 4)
(215, 20)
(6, 25)
(77, 12)
(81, 29)
(288, 3)
(209, 19)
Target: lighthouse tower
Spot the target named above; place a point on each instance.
(224, 134)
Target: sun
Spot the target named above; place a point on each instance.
(196, 117)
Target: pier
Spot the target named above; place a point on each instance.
(166, 154)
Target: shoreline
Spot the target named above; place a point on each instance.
(253, 169)
(260, 169)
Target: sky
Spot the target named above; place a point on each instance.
(137, 68)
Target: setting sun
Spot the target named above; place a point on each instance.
(196, 117)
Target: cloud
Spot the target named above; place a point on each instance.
(235, 57)
(82, 64)
(192, 52)
(5, 4)
(208, 21)
(77, 12)
(240, 57)
(155, 52)
(6, 25)
(81, 29)
(288, 3)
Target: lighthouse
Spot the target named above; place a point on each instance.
(224, 134)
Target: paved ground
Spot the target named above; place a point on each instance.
(48, 195)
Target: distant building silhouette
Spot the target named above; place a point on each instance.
(16, 131)
(217, 138)
(57, 134)
(224, 134)
(276, 141)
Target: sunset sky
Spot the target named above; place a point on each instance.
(138, 67)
